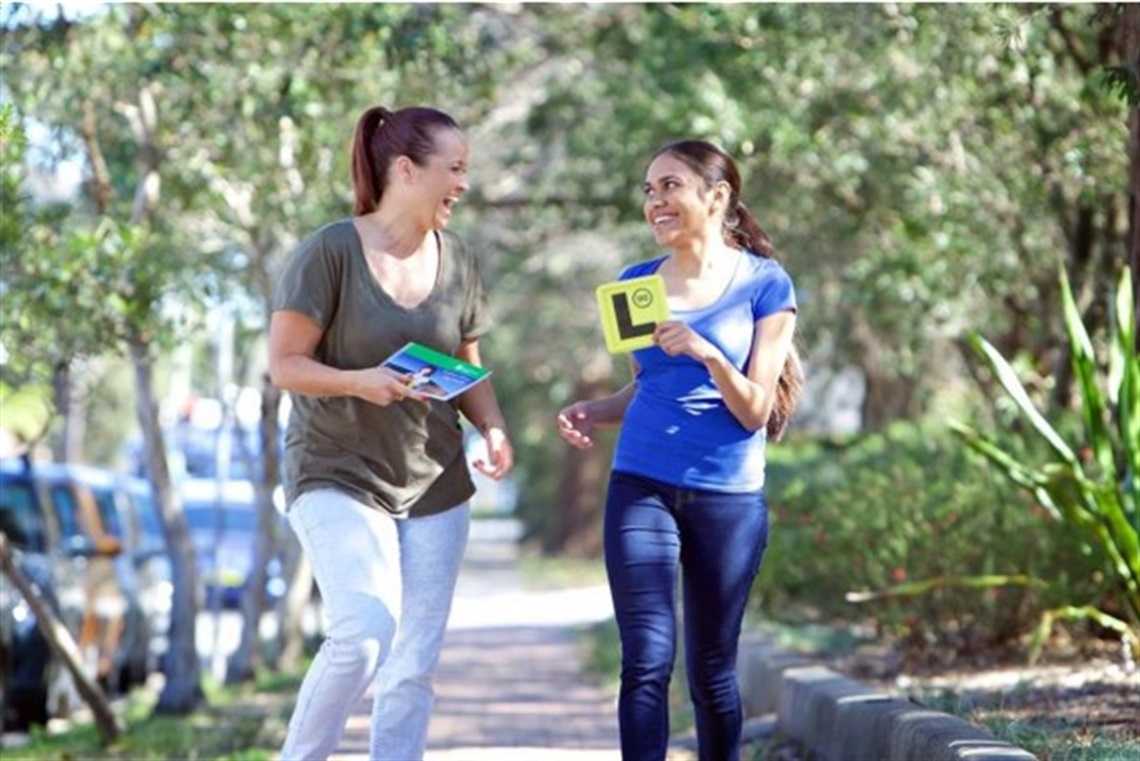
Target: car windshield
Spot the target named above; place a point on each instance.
(151, 522)
(20, 517)
(67, 510)
(105, 501)
(202, 516)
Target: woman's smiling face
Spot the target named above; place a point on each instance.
(443, 178)
(677, 205)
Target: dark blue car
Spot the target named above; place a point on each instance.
(90, 542)
(222, 519)
(32, 683)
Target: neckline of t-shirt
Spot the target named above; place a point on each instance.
(439, 242)
(727, 288)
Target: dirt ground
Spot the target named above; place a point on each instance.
(1073, 697)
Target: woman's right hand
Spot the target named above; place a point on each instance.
(383, 386)
(576, 425)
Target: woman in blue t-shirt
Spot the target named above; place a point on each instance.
(686, 491)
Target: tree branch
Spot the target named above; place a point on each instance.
(1056, 20)
(102, 192)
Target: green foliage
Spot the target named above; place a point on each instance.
(110, 411)
(27, 410)
(1092, 486)
(13, 146)
(89, 291)
(900, 157)
(1124, 83)
(908, 506)
(919, 166)
(245, 723)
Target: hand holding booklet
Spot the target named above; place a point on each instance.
(434, 373)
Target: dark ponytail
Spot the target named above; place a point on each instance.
(741, 230)
(367, 182)
(382, 135)
(789, 389)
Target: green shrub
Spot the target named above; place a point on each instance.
(1089, 482)
(912, 505)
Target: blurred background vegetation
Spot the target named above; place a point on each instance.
(926, 171)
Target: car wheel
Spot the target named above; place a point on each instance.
(24, 708)
(134, 672)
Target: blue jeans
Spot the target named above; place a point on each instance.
(655, 532)
(387, 587)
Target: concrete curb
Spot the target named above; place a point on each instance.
(838, 719)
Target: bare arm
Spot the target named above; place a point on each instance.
(749, 396)
(576, 423)
(293, 341)
(481, 407)
(610, 410)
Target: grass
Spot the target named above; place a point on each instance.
(767, 749)
(603, 652)
(1050, 739)
(242, 723)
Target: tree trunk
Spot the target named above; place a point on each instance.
(72, 408)
(243, 663)
(294, 566)
(1132, 63)
(1134, 182)
(63, 646)
(295, 570)
(886, 398)
(298, 596)
(182, 692)
(1134, 200)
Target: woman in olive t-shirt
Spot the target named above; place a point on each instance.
(375, 475)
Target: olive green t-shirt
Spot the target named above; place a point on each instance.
(405, 458)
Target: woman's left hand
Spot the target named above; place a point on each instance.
(500, 455)
(674, 338)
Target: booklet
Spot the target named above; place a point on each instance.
(434, 373)
(631, 310)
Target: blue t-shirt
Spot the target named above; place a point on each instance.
(677, 428)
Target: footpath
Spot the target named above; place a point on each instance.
(512, 687)
(511, 684)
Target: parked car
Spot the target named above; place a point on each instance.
(33, 684)
(222, 519)
(87, 503)
(145, 543)
(91, 542)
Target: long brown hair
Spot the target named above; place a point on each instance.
(741, 230)
(381, 136)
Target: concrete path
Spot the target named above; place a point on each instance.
(511, 685)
